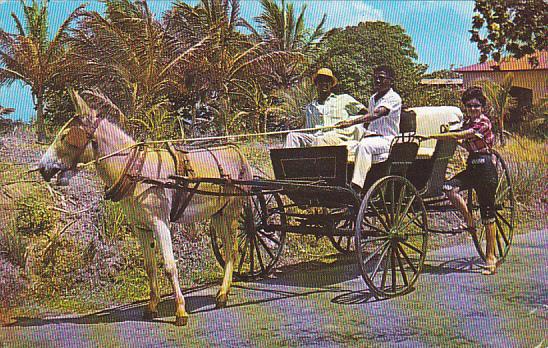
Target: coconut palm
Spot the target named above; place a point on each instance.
(31, 57)
(235, 60)
(132, 65)
(287, 32)
(500, 100)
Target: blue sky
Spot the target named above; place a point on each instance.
(439, 29)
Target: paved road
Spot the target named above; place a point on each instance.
(326, 304)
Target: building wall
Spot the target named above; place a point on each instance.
(533, 80)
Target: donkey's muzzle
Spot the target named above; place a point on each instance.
(48, 173)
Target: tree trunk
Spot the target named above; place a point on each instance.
(40, 125)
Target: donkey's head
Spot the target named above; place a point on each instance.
(70, 144)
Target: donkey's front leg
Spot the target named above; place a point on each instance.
(163, 236)
(146, 238)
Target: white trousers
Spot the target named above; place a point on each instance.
(366, 149)
(298, 139)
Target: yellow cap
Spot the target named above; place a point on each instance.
(325, 72)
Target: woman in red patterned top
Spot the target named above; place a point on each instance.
(480, 174)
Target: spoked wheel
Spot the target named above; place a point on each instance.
(344, 243)
(260, 237)
(391, 236)
(505, 216)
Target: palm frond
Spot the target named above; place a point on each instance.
(61, 35)
(103, 101)
(18, 24)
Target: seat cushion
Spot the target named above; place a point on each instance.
(425, 152)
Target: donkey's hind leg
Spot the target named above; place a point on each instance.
(227, 226)
(146, 238)
(163, 236)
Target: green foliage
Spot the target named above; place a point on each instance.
(31, 57)
(535, 122)
(432, 95)
(14, 245)
(288, 33)
(112, 226)
(499, 99)
(517, 27)
(353, 52)
(56, 263)
(294, 101)
(34, 216)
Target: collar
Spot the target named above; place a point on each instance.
(332, 95)
(374, 96)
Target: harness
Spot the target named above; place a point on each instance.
(129, 177)
(186, 189)
(182, 196)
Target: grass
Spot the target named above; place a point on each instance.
(527, 161)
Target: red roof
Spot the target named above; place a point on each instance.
(510, 64)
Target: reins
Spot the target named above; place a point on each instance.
(222, 137)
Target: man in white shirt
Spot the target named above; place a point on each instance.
(383, 118)
(327, 110)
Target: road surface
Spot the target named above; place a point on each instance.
(326, 304)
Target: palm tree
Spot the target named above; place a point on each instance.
(235, 60)
(499, 98)
(31, 57)
(132, 65)
(287, 32)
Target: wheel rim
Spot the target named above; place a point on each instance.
(505, 213)
(392, 236)
(260, 240)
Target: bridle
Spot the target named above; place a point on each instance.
(81, 134)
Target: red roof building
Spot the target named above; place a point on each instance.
(529, 85)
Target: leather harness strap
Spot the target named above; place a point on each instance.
(128, 178)
(182, 196)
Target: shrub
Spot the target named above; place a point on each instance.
(14, 245)
(113, 224)
(34, 216)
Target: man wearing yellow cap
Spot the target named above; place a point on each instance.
(327, 110)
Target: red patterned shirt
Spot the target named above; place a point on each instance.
(484, 136)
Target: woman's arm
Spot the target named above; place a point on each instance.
(465, 134)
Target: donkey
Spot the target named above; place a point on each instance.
(147, 206)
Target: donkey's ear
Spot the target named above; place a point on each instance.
(82, 108)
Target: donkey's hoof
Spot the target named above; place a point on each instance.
(220, 303)
(149, 315)
(221, 300)
(181, 321)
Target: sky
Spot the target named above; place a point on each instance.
(439, 30)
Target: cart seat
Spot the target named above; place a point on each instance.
(425, 152)
(428, 120)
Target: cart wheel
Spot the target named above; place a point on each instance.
(260, 237)
(344, 244)
(392, 236)
(505, 206)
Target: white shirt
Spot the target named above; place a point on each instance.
(388, 125)
(335, 108)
